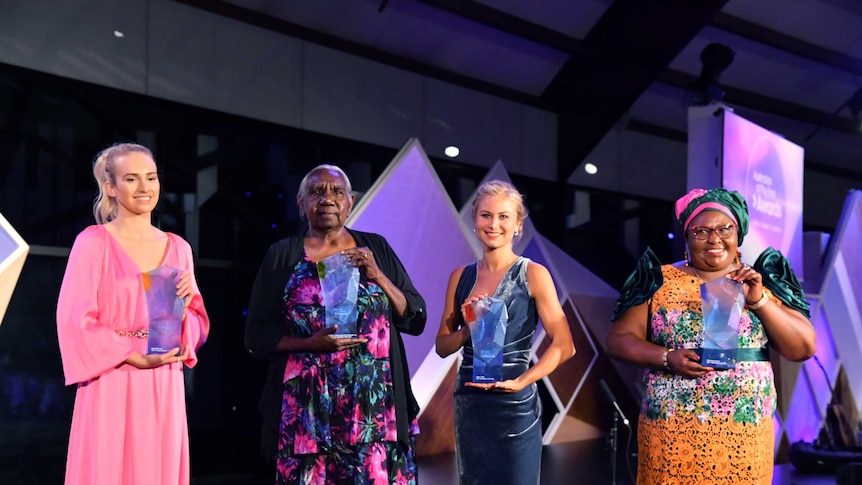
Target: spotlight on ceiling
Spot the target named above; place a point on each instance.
(715, 58)
(451, 151)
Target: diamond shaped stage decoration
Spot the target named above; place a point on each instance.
(13, 252)
(409, 206)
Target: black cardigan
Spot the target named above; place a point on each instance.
(265, 327)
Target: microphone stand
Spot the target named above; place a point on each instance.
(613, 440)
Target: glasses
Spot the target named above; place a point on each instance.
(702, 233)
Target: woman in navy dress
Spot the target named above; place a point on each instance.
(498, 425)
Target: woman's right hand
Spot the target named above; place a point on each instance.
(151, 361)
(323, 341)
(467, 311)
(686, 363)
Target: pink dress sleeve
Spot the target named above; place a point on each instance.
(196, 325)
(88, 346)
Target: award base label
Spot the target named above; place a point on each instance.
(488, 363)
(717, 358)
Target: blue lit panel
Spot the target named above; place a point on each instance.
(841, 293)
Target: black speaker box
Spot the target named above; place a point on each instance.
(849, 474)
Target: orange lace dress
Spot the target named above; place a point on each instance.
(716, 429)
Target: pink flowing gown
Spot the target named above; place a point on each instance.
(129, 425)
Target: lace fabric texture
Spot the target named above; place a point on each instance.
(720, 451)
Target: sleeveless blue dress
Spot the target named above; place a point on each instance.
(498, 436)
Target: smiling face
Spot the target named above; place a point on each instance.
(496, 221)
(326, 201)
(713, 253)
(134, 185)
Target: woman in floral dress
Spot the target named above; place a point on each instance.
(337, 410)
(700, 424)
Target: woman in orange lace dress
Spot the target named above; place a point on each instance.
(700, 423)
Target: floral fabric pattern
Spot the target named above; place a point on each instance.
(685, 421)
(338, 413)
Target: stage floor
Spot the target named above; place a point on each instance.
(588, 463)
(584, 462)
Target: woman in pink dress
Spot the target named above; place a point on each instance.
(129, 423)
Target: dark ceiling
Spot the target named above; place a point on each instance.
(600, 64)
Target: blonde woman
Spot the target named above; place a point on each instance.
(129, 422)
(498, 425)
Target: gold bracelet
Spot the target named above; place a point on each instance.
(664, 359)
(759, 303)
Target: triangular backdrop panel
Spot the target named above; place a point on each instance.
(841, 294)
(409, 206)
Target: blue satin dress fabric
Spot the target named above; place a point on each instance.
(498, 436)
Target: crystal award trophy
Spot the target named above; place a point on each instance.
(488, 334)
(165, 309)
(723, 302)
(339, 283)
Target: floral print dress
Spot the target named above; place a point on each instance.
(718, 428)
(338, 415)
(715, 429)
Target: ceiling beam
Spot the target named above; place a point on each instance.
(513, 25)
(787, 43)
(309, 35)
(648, 128)
(766, 104)
(635, 41)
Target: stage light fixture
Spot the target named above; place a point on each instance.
(715, 58)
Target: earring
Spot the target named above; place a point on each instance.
(516, 233)
(685, 255)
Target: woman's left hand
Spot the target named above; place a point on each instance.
(363, 259)
(752, 282)
(512, 385)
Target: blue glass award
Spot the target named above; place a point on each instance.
(723, 302)
(339, 283)
(488, 334)
(165, 309)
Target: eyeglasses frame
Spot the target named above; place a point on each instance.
(711, 230)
